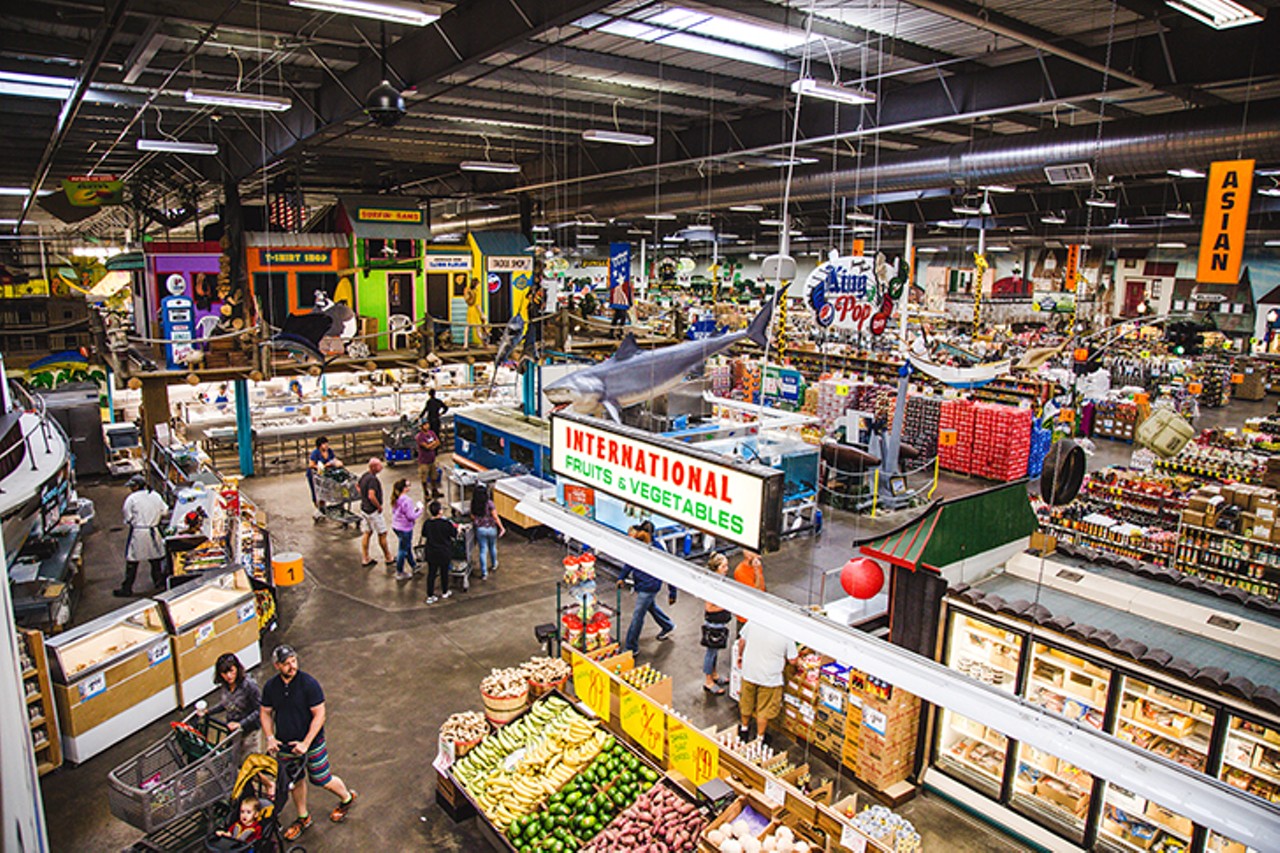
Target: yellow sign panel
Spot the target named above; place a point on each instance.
(377, 214)
(1226, 209)
(692, 753)
(643, 720)
(591, 683)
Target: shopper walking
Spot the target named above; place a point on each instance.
(292, 718)
(238, 700)
(647, 588)
(321, 459)
(715, 632)
(439, 534)
(143, 513)
(434, 410)
(750, 572)
(763, 654)
(488, 527)
(404, 514)
(373, 519)
(428, 442)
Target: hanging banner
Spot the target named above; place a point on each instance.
(847, 296)
(1226, 212)
(620, 276)
(591, 684)
(644, 721)
(93, 191)
(1071, 271)
(692, 753)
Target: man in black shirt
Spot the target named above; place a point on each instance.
(435, 408)
(373, 520)
(293, 717)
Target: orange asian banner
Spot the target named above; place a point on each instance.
(1226, 211)
(1072, 270)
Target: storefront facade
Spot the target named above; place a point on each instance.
(387, 240)
(287, 270)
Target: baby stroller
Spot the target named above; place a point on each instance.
(269, 780)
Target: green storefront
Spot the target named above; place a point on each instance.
(388, 238)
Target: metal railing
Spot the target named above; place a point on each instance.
(24, 401)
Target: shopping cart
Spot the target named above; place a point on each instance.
(189, 768)
(399, 442)
(336, 489)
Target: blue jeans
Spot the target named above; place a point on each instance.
(405, 538)
(709, 661)
(645, 603)
(487, 545)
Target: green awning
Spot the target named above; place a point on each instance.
(905, 546)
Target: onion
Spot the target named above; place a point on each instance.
(730, 845)
(740, 829)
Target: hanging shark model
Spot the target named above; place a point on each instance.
(632, 375)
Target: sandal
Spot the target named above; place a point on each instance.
(368, 564)
(714, 691)
(339, 813)
(297, 827)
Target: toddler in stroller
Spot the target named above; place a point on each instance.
(261, 791)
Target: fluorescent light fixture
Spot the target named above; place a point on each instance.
(1084, 247)
(727, 236)
(1177, 213)
(489, 166)
(411, 14)
(998, 188)
(747, 208)
(1100, 201)
(1219, 14)
(589, 223)
(1175, 244)
(660, 217)
(617, 137)
(1053, 219)
(238, 100)
(950, 223)
(674, 29)
(176, 146)
(999, 249)
(1273, 191)
(639, 232)
(812, 88)
(1184, 173)
(859, 216)
(672, 238)
(19, 191)
(588, 238)
(1272, 244)
(769, 223)
(728, 29)
(929, 250)
(864, 229)
(965, 209)
(540, 229)
(1119, 223)
(798, 235)
(544, 241)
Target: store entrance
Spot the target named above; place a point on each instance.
(1134, 293)
(438, 295)
(400, 294)
(272, 289)
(499, 297)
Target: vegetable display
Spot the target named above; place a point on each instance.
(515, 735)
(737, 837)
(464, 727)
(660, 821)
(585, 805)
(540, 670)
(505, 683)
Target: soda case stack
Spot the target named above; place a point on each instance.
(957, 415)
(746, 381)
(721, 378)
(920, 426)
(1001, 441)
(834, 396)
(1041, 438)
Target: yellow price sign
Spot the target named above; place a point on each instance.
(1237, 378)
(591, 683)
(842, 390)
(948, 437)
(692, 753)
(644, 721)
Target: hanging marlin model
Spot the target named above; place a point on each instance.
(632, 375)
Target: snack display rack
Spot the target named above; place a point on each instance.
(42, 714)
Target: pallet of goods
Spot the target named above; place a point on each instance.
(957, 455)
(1001, 442)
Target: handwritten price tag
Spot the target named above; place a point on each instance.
(93, 686)
(853, 840)
(1237, 378)
(591, 683)
(773, 790)
(1194, 388)
(157, 653)
(948, 438)
(247, 611)
(644, 721)
(692, 753)
(203, 633)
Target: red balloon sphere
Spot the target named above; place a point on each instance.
(862, 578)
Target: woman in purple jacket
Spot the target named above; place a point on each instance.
(404, 514)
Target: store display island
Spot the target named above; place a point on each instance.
(207, 618)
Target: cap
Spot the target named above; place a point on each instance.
(283, 652)
(137, 481)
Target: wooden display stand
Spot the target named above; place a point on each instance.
(661, 691)
(40, 709)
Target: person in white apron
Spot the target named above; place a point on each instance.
(143, 513)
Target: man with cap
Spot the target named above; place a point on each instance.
(143, 513)
(293, 717)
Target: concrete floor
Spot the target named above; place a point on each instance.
(393, 669)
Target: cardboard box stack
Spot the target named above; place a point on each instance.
(957, 415)
(834, 396)
(920, 427)
(829, 718)
(721, 378)
(1001, 441)
(890, 719)
(1116, 419)
(800, 696)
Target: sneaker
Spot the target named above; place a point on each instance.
(339, 813)
(662, 635)
(404, 576)
(297, 828)
(446, 594)
(431, 599)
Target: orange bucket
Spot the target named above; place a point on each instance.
(286, 568)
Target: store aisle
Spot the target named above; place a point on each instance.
(393, 669)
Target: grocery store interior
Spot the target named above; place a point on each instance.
(680, 427)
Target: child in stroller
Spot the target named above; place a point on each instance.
(260, 792)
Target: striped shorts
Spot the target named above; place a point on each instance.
(318, 764)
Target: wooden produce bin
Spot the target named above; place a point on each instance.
(111, 677)
(206, 619)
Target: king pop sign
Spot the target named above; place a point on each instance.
(732, 501)
(847, 295)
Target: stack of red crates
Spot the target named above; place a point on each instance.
(1001, 441)
(957, 415)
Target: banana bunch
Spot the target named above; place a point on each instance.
(570, 744)
(472, 769)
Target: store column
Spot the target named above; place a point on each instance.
(155, 407)
(244, 428)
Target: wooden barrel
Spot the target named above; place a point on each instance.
(504, 709)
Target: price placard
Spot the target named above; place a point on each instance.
(948, 437)
(692, 753)
(1194, 387)
(1237, 378)
(773, 790)
(1067, 416)
(591, 683)
(851, 839)
(246, 611)
(203, 633)
(158, 653)
(92, 686)
(874, 720)
(644, 721)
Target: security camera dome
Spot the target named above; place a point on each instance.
(384, 104)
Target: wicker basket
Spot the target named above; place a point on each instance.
(501, 718)
(538, 690)
(462, 747)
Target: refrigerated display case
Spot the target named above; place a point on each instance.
(969, 750)
(1068, 684)
(1133, 824)
(1163, 721)
(206, 619)
(1251, 758)
(984, 651)
(111, 677)
(1052, 790)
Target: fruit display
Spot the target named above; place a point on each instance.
(515, 735)
(511, 790)
(586, 804)
(508, 683)
(464, 727)
(736, 837)
(660, 819)
(641, 677)
(541, 670)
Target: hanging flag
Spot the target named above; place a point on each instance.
(1226, 211)
(620, 276)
